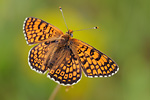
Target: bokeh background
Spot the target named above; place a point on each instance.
(124, 35)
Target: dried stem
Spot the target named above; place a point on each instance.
(52, 97)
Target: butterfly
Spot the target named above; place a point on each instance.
(63, 57)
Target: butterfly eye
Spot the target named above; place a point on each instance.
(71, 35)
(70, 32)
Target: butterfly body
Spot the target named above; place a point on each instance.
(65, 40)
(62, 56)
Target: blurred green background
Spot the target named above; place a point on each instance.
(124, 35)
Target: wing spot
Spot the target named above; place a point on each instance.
(67, 70)
(99, 63)
(104, 59)
(92, 52)
(112, 67)
(31, 55)
(102, 68)
(108, 65)
(78, 70)
(60, 77)
(40, 48)
(39, 52)
(114, 64)
(108, 71)
(35, 56)
(31, 60)
(102, 62)
(88, 70)
(55, 75)
(71, 69)
(64, 80)
(86, 65)
(78, 75)
(96, 56)
(32, 40)
(62, 73)
(92, 67)
(29, 36)
(66, 76)
(35, 52)
(78, 66)
(52, 72)
(97, 66)
(89, 60)
(94, 72)
(70, 75)
(35, 61)
(94, 62)
(105, 67)
(64, 68)
(36, 65)
(99, 71)
(69, 80)
(110, 61)
(74, 66)
(74, 78)
(34, 35)
(58, 71)
(104, 72)
(74, 73)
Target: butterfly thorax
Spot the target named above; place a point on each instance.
(64, 40)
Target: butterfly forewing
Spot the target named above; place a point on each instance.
(94, 63)
(37, 30)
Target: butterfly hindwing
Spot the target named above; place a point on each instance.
(94, 63)
(37, 55)
(37, 30)
(68, 71)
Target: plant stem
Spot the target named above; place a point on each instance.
(52, 97)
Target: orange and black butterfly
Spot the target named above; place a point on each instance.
(63, 56)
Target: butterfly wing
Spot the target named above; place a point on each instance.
(94, 63)
(37, 30)
(67, 69)
(37, 55)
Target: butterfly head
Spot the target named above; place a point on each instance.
(70, 32)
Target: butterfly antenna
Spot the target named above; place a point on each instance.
(88, 28)
(63, 17)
